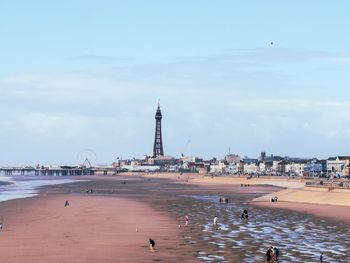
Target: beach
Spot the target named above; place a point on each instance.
(90, 229)
(291, 192)
(116, 220)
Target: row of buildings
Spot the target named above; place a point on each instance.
(233, 164)
(276, 165)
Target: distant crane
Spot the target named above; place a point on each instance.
(185, 148)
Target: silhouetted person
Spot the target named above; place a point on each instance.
(276, 252)
(66, 203)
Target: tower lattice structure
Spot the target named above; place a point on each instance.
(158, 143)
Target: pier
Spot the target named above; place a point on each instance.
(58, 171)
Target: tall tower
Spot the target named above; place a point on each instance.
(158, 143)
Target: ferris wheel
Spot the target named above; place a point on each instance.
(87, 158)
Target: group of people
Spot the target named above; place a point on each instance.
(244, 214)
(223, 200)
(274, 199)
(272, 255)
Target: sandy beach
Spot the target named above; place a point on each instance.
(91, 229)
(291, 192)
(114, 223)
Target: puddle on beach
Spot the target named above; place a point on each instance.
(299, 237)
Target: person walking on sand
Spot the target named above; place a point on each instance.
(186, 220)
(321, 258)
(151, 244)
(66, 203)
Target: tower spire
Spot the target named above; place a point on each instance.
(158, 143)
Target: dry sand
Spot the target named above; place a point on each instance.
(310, 196)
(237, 180)
(201, 179)
(91, 229)
(335, 212)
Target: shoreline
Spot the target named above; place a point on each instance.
(292, 193)
(289, 191)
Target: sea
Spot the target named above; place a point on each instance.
(15, 187)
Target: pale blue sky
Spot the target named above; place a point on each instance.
(88, 74)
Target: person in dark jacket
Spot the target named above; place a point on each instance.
(151, 244)
(277, 253)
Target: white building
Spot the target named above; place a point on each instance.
(134, 167)
(218, 168)
(250, 168)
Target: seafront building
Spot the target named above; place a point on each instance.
(339, 165)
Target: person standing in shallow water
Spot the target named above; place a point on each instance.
(321, 258)
(215, 221)
(276, 252)
(270, 255)
(245, 214)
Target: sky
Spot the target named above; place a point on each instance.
(84, 77)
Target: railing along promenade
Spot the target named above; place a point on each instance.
(329, 184)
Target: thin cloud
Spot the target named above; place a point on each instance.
(96, 58)
(341, 60)
(265, 54)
